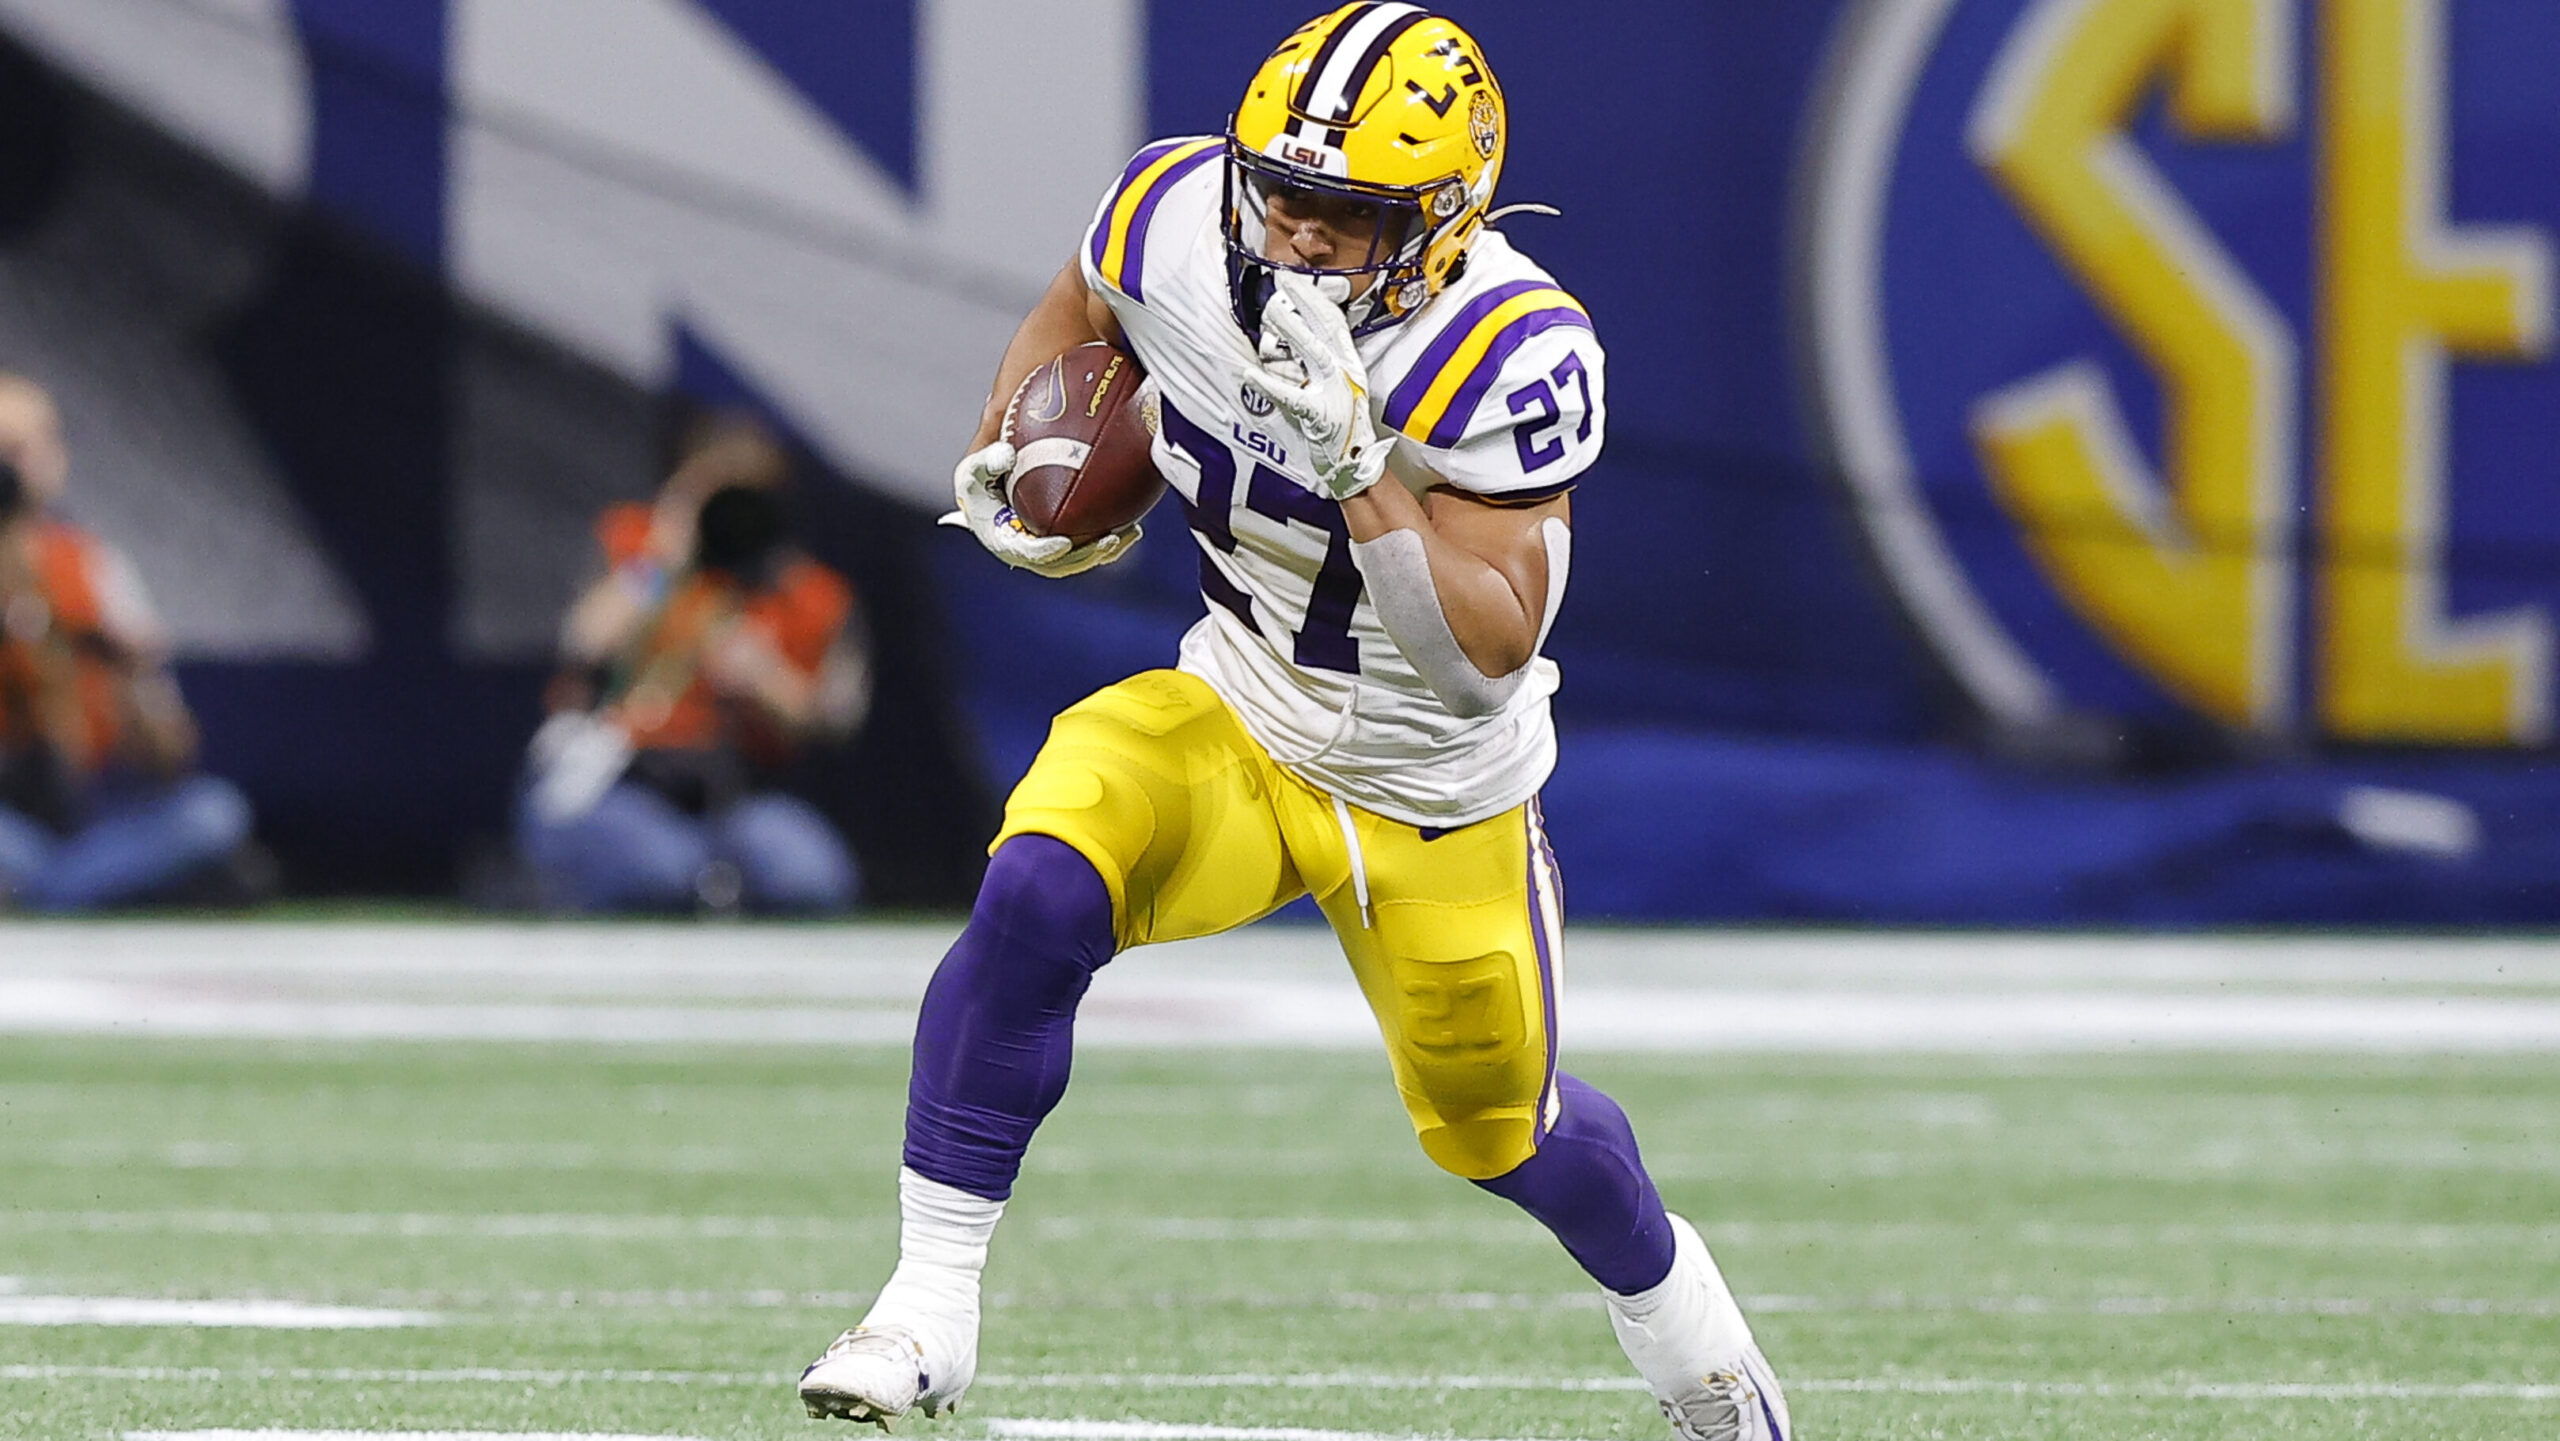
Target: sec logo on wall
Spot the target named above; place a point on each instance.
(2195, 357)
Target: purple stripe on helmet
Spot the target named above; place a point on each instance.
(1133, 261)
(1305, 100)
(1417, 382)
(1462, 406)
(1356, 79)
(1546, 962)
(1128, 177)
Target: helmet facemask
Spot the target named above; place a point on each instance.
(1393, 261)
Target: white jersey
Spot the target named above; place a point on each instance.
(1494, 388)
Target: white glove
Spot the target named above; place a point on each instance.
(1314, 375)
(977, 487)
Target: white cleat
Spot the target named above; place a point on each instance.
(878, 1374)
(1689, 1341)
(1741, 1404)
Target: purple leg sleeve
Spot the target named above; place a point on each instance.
(997, 1031)
(1588, 1185)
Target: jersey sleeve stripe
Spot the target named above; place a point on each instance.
(1137, 167)
(1435, 357)
(1119, 245)
(1435, 403)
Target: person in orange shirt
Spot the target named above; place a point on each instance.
(710, 652)
(99, 800)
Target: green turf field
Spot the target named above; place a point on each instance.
(653, 1241)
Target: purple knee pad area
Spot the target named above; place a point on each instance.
(1587, 1184)
(996, 1035)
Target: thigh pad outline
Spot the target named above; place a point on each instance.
(1155, 782)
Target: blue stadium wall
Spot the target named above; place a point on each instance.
(2033, 496)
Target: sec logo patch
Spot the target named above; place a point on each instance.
(2194, 357)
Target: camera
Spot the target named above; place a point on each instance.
(741, 532)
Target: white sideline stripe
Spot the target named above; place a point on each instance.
(1331, 1381)
(804, 963)
(1284, 987)
(258, 1315)
(1276, 1014)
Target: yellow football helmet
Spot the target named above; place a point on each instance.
(1376, 104)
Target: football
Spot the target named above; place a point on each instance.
(1081, 440)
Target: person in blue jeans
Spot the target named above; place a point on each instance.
(100, 801)
(705, 659)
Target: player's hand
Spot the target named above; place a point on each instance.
(977, 487)
(1315, 376)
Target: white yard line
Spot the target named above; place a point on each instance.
(438, 1306)
(1684, 991)
(255, 1315)
(2532, 1391)
(1913, 1385)
(272, 1434)
(1034, 1429)
(2239, 1150)
(528, 1227)
(1498, 1230)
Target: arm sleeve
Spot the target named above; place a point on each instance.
(1510, 404)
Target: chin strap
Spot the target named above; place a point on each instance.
(1531, 208)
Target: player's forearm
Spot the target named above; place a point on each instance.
(1493, 613)
(1068, 315)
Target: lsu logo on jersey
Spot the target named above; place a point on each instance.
(2195, 357)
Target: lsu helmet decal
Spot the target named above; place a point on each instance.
(1379, 110)
(2191, 360)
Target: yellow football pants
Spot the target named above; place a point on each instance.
(1196, 830)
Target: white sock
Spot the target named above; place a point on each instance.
(943, 1233)
(1684, 1325)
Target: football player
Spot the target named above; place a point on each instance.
(1374, 409)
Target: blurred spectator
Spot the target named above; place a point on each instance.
(99, 801)
(693, 671)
